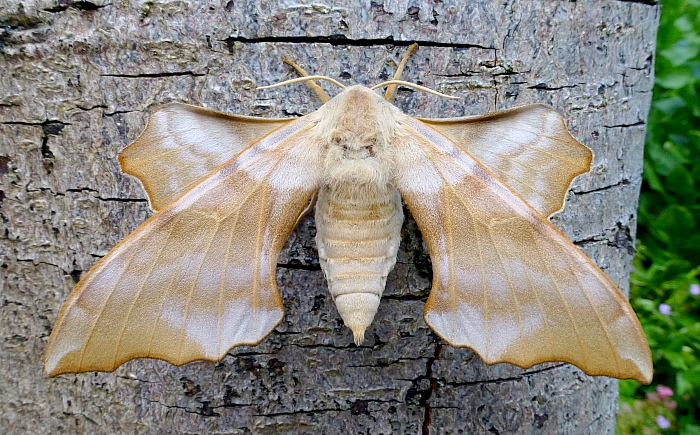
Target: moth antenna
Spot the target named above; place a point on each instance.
(303, 79)
(413, 85)
(320, 93)
(390, 93)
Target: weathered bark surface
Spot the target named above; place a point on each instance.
(78, 80)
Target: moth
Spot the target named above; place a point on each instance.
(199, 276)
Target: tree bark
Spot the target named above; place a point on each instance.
(79, 80)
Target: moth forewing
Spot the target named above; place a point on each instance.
(528, 148)
(182, 144)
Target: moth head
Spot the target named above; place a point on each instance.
(349, 145)
(356, 130)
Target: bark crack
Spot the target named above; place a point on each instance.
(620, 238)
(644, 2)
(295, 266)
(546, 87)
(205, 410)
(518, 378)
(423, 387)
(340, 39)
(622, 183)
(634, 124)
(357, 407)
(48, 122)
(156, 75)
(36, 263)
(421, 296)
(387, 363)
(301, 411)
(350, 347)
(101, 198)
(82, 5)
(433, 386)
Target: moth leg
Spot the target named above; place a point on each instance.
(320, 93)
(391, 89)
(310, 206)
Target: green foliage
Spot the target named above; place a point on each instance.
(667, 265)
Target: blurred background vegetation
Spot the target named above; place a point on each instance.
(665, 290)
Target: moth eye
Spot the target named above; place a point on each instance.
(370, 150)
(345, 147)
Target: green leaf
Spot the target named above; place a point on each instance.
(690, 429)
(676, 79)
(677, 148)
(652, 178)
(663, 158)
(669, 105)
(681, 52)
(628, 388)
(685, 383)
(664, 270)
(684, 24)
(673, 224)
(647, 304)
(680, 181)
(677, 362)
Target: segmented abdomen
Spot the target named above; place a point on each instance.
(358, 235)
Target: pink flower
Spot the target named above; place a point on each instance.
(695, 289)
(665, 309)
(662, 422)
(664, 391)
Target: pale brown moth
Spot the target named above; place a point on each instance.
(198, 277)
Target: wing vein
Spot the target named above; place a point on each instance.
(535, 292)
(453, 293)
(546, 174)
(179, 130)
(138, 294)
(162, 304)
(449, 242)
(220, 309)
(154, 180)
(261, 217)
(194, 162)
(597, 313)
(514, 159)
(551, 275)
(484, 286)
(565, 303)
(494, 132)
(258, 252)
(256, 272)
(186, 314)
(102, 308)
(179, 148)
(512, 291)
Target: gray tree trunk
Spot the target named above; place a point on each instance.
(78, 80)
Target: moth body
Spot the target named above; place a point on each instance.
(358, 211)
